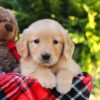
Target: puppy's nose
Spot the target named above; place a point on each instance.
(46, 56)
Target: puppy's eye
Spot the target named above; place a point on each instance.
(55, 41)
(36, 41)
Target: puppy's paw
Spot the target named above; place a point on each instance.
(64, 82)
(47, 81)
(63, 86)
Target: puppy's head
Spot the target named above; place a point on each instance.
(45, 42)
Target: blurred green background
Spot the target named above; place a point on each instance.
(80, 17)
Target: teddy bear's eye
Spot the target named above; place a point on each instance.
(55, 41)
(36, 41)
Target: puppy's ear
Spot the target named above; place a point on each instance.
(68, 46)
(22, 47)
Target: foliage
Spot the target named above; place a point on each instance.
(80, 17)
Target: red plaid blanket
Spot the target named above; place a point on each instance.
(18, 87)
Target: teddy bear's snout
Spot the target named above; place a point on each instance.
(9, 27)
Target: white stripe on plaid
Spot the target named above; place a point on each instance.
(79, 92)
(23, 83)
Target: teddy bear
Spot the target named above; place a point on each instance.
(9, 58)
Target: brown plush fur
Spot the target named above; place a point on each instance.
(8, 32)
(8, 25)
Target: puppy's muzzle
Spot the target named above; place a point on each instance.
(46, 57)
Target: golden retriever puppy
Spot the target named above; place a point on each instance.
(46, 54)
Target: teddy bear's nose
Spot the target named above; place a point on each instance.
(9, 27)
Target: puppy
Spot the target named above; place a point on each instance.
(46, 54)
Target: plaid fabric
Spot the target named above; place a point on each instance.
(81, 88)
(18, 87)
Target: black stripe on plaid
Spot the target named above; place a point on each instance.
(18, 84)
(5, 97)
(27, 86)
(78, 92)
(2, 94)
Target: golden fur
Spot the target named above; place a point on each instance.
(61, 68)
